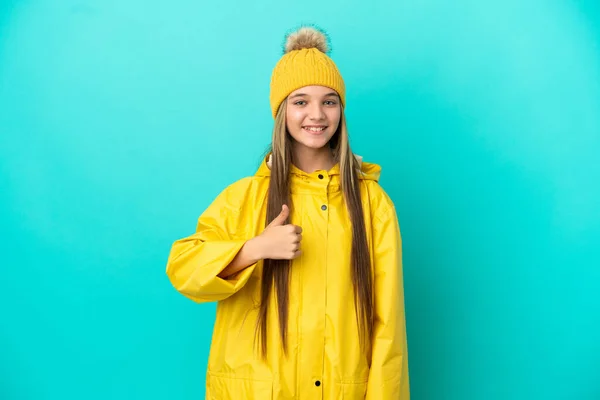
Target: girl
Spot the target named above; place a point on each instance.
(304, 257)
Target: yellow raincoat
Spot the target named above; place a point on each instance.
(324, 359)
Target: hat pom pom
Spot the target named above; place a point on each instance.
(307, 37)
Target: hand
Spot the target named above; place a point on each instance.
(280, 241)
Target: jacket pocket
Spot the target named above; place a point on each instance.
(219, 387)
(354, 390)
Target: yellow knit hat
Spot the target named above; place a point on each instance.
(305, 62)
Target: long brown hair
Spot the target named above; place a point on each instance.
(276, 273)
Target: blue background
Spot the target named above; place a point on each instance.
(120, 121)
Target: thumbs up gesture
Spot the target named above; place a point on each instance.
(281, 241)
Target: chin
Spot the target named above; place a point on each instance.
(315, 143)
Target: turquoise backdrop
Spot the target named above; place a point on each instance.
(120, 121)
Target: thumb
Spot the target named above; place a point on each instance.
(280, 219)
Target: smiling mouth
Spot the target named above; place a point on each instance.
(314, 129)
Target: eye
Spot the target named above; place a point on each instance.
(330, 102)
(300, 101)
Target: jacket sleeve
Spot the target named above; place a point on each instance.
(196, 261)
(388, 376)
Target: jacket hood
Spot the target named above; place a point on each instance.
(369, 171)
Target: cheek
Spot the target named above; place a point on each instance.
(334, 117)
(294, 117)
(293, 124)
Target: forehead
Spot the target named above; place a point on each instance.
(314, 90)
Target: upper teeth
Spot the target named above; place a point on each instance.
(315, 129)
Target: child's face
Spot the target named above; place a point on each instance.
(313, 115)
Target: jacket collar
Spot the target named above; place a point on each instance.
(368, 171)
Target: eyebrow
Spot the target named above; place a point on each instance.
(304, 94)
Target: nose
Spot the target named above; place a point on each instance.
(316, 112)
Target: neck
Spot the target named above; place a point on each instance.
(310, 160)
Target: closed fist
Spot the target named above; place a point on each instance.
(281, 241)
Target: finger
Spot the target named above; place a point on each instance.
(280, 219)
(298, 229)
(297, 254)
(298, 238)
